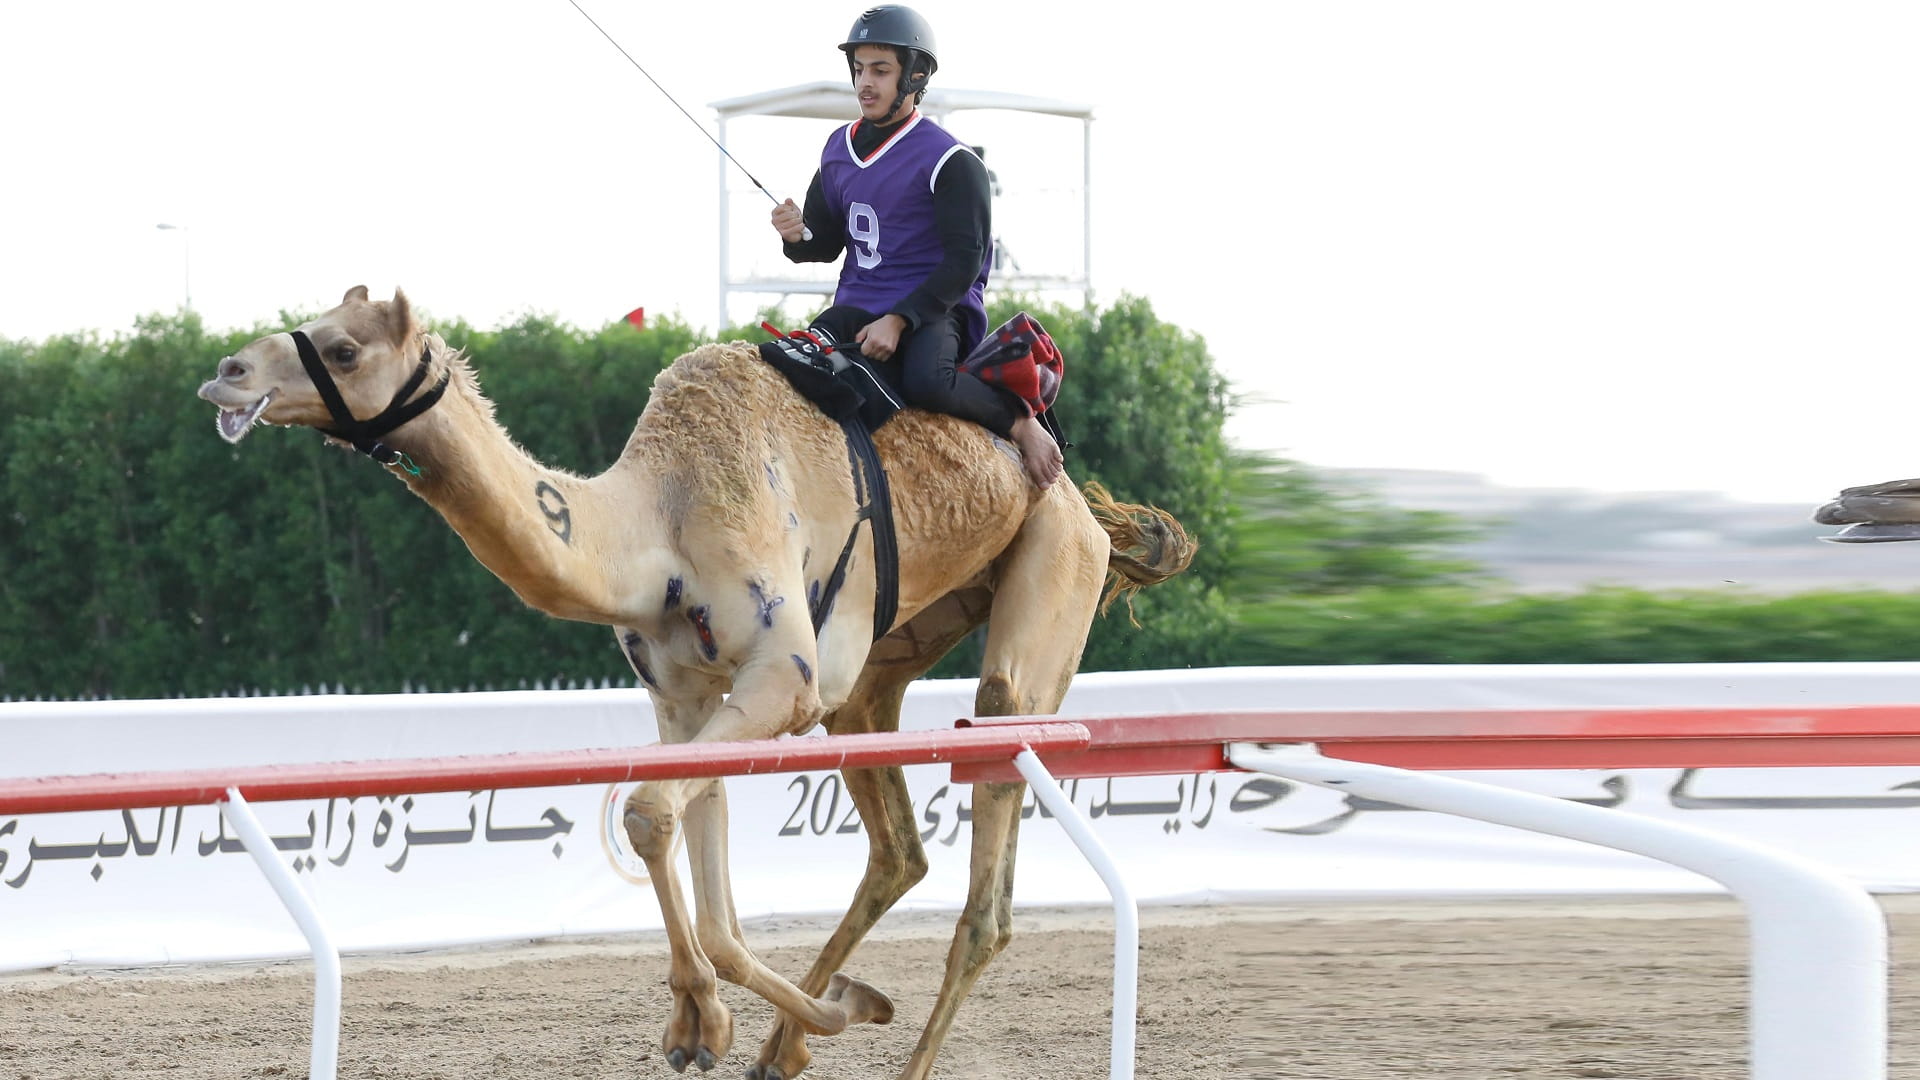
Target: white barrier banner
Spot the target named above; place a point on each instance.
(172, 884)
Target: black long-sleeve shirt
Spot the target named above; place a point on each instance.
(962, 210)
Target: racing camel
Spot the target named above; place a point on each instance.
(707, 547)
(1874, 513)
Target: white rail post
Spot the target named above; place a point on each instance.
(1818, 988)
(1126, 913)
(326, 959)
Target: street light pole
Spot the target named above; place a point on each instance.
(186, 262)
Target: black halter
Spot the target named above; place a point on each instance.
(365, 434)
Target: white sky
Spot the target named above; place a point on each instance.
(1618, 245)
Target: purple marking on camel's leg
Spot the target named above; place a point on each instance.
(767, 603)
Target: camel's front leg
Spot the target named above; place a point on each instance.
(768, 699)
(700, 1029)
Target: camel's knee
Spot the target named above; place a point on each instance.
(770, 717)
(896, 858)
(981, 937)
(913, 867)
(892, 873)
(1003, 929)
(650, 824)
(996, 696)
(694, 980)
(808, 712)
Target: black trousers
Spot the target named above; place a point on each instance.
(926, 368)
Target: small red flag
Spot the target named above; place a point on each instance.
(638, 317)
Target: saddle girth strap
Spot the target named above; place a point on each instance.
(874, 503)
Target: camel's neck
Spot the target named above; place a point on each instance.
(550, 535)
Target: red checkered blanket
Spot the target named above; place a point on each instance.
(1022, 359)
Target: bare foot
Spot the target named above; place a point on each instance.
(1039, 452)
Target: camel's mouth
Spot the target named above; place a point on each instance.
(236, 422)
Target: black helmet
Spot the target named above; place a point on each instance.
(893, 24)
(903, 29)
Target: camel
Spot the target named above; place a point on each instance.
(1887, 512)
(704, 547)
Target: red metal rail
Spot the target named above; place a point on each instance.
(982, 750)
(1592, 738)
(413, 776)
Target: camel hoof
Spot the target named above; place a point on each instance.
(758, 1071)
(864, 1002)
(677, 1060)
(705, 1060)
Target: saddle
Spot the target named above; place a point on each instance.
(861, 396)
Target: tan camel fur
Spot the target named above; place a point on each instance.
(701, 546)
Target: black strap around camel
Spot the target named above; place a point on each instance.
(875, 502)
(858, 401)
(365, 435)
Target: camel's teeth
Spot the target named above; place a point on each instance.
(233, 424)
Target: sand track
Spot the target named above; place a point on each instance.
(1648, 989)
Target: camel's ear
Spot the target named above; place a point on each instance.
(399, 317)
(358, 292)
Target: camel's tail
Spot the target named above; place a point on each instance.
(1148, 546)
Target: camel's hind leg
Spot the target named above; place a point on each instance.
(1047, 584)
(895, 859)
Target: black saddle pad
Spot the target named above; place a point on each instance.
(859, 388)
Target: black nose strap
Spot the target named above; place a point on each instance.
(365, 435)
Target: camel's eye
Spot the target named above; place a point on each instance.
(345, 355)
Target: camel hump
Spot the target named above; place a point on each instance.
(1148, 545)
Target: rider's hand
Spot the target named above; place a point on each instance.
(879, 338)
(786, 221)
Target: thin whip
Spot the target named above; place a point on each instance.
(670, 97)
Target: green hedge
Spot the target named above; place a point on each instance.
(143, 556)
(1601, 626)
(140, 555)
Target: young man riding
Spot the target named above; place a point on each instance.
(909, 206)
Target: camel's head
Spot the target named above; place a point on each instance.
(369, 349)
(1874, 513)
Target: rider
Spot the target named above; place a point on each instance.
(908, 205)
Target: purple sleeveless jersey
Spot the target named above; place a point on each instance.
(887, 205)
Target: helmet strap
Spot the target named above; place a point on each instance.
(912, 84)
